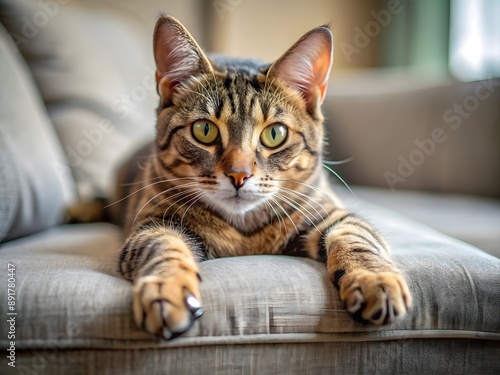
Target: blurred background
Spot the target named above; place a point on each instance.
(457, 37)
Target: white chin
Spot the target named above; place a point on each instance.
(235, 206)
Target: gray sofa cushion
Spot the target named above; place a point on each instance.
(35, 184)
(472, 219)
(69, 298)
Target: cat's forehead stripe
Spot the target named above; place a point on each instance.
(238, 107)
(228, 84)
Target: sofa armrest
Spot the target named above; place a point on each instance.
(35, 184)
(407, 132)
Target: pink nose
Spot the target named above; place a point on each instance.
(238, 179)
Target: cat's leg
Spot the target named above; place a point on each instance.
(369, 283)
(161, 264)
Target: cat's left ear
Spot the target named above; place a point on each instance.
(306, 66)
(177, 55)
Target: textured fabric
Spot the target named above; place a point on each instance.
(34, 189)
(475, 220)
(93, 63)
(9, 195)
(100, 98)
(70, 297)
(438, 136)
(406, 357)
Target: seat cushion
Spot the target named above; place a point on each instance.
(68, 293)
(472, 219)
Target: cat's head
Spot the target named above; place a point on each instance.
(239, 133)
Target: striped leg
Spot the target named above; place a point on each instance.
(370, 285)
(161, 264)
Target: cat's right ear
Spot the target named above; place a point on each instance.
(178, 57)
(306, 66)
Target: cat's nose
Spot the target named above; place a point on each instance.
(238, 179)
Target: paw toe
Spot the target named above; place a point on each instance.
(355, 301)
(375, 298)
(194, 306)
(165, 316)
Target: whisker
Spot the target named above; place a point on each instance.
(312, 187)
(154, 183)
(170, 197)
(208, 96)
(340, 178)
(160, 193)
(214, 92)
(319, 217)
(145, 156)
(197, 195)
(297, 206)
(181, 195)
(286, 213)
(196, 92)
(216, 88)
(196, 199)
(278, 216)
(339, 162)
(141, 182)
(305, 199)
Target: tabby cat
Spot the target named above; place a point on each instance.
(236, 169)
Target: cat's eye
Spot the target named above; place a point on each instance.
(205, 132)
(274, 135)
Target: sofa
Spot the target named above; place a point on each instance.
(77, 97)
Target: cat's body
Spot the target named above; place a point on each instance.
(236, 169)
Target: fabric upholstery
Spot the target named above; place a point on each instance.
(98, 104)
(101, 98)
(35, 185)
(80, 76)
(472, 219)
(434, 135)
(9, 195)
(71, 299)
(409, 357)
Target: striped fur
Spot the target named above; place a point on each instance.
(189, 201)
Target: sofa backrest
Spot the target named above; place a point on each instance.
(409, 131)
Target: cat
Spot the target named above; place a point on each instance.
(236, 169)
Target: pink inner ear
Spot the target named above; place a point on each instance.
(176, 55)
(169, 55)
(306, 66)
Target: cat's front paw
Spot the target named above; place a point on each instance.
(166, 307)
(379, 298)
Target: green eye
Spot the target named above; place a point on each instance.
(274, 135)
(205, 132)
